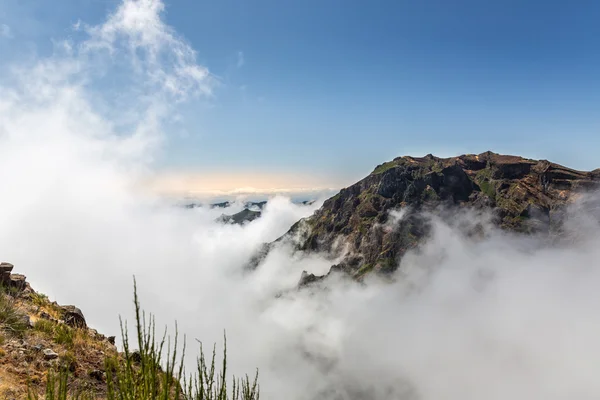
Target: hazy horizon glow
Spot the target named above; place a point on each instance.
(234, 184)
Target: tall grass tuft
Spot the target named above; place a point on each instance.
(156, 372)
(12, 321)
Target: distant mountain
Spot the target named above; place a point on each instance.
(250, 204)
(243, 216)
(252, 210)
(523, 195)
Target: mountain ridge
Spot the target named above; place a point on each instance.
(523, 195)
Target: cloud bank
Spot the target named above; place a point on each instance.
(491, 319)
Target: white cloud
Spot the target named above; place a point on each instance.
(240, 59)
(166, 59)
(5, 31)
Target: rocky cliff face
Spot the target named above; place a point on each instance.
(522, 195)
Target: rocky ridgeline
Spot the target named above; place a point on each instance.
(38, 335)
(17, 283)
(520, 194)
(10, 280)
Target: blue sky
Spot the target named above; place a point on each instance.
(329, 89)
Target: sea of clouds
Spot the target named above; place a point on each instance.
(493, 318)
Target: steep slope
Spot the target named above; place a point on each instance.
(523, 195)
(47, 351)
(38, 336)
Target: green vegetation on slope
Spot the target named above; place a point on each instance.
(384, 167)
(12, 321)
(155, 371)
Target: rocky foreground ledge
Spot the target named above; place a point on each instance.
(38, 336)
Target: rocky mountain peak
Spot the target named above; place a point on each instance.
(522, 194)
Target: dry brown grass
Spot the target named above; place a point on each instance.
(22, 361)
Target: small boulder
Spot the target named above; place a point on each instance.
(97, 375)
(111, 340)
(94, 334)
(6, 267)
(50, 354)
(17, 281)
(136, 357)
(5, 270)
(73, 317)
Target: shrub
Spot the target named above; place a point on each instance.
(11, 320)
(64, 334)
(39, 299)
(61, 333)
(57, 388)
(68, 361)
(44, 326)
